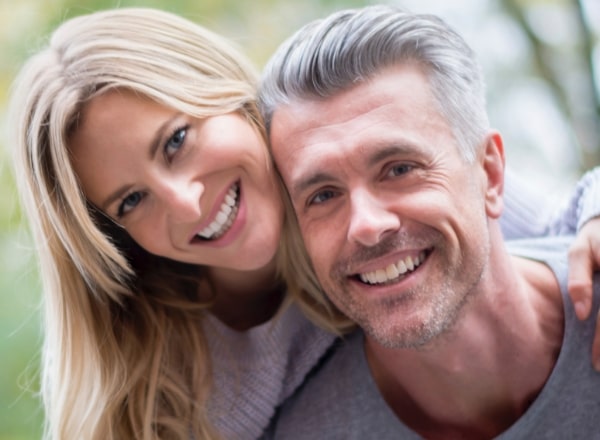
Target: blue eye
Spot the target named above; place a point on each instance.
(128, 203)
(175, 142)
(400, 169)
(321, 197)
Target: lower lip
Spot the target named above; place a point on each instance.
(234, 230)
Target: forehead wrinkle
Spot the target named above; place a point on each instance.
(306, 118)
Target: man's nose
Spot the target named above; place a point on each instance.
(371, 219)
(182, 200)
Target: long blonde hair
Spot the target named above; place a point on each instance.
(123, 355)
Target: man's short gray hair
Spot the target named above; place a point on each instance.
(330, 55)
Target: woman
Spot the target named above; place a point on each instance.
(142, 165)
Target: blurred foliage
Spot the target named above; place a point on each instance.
(258, 26)
(566, 64)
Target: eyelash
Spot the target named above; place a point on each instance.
(174, 134)
(329, 192)
(406, 168)
(121, 209)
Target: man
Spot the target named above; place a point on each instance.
(378, 127)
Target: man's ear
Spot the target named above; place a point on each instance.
(493, 166)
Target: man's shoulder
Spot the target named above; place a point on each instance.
(314, 406)
(338, 400)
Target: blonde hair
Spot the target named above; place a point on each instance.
(124, 355)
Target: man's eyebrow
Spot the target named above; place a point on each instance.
(388, 151)
(152, 150)
(379, 154)
(309, 181)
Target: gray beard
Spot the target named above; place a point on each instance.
(418, 337)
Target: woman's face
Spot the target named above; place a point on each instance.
(193, 190)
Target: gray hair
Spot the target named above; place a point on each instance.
(327, 56)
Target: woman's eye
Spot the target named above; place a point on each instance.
(400, 169)
(321, 197)
(128, 203)
(175, 142)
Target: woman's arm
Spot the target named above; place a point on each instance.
(584, 259)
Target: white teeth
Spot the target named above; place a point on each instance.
(409, 264)
(393, 271)
(230, 200)
(224, 218)
(402, 269)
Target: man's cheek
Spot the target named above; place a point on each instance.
(315, 254)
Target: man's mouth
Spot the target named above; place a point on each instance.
(394, 271)
(225, 216)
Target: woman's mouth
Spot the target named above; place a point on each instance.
(224, 217)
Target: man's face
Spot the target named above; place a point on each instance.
(393, 218)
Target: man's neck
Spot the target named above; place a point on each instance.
(476, 379)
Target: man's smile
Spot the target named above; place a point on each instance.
(395, 271)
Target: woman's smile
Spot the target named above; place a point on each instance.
(220, 222)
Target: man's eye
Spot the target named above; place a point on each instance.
(321, 197)
(175, 142)
(128, 203)
(400, 169)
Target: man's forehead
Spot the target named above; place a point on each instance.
(393, 108)
(310, 127)
(290, 127)
(292, 119)
(397, 90)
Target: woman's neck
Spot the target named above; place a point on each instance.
(245, 299)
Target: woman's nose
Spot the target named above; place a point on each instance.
(182, 200)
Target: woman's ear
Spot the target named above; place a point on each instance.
(493, 163)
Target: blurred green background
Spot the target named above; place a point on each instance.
(539, 58)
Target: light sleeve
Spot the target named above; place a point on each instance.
(528, 213)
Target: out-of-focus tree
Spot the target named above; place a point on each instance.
(564, 44)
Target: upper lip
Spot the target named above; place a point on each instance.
(214, 210)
